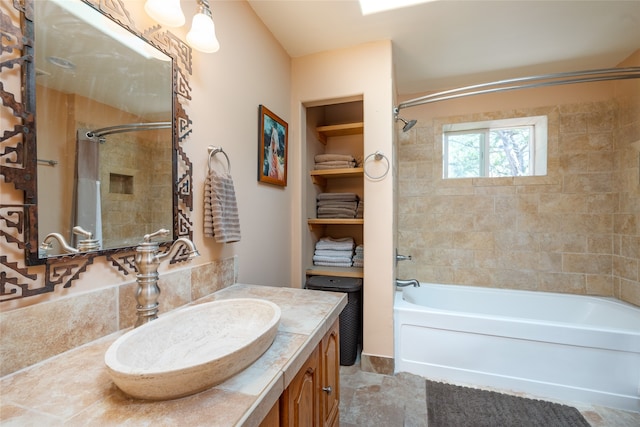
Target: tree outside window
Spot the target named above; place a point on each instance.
(496, 151)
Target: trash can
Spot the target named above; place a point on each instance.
(350, 328)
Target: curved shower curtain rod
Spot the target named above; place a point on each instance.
(566, 78)
(131, 127)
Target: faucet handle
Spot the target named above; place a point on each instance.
(160, 233)
(402, 257)
(82, 232)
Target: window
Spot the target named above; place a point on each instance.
(495, 148)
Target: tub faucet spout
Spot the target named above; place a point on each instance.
(409, 282)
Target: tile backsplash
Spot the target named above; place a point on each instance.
(34, 333)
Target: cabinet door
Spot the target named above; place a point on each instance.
(330, 366)
(272, 419)
(302, 400)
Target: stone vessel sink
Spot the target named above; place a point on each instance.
(192, 349)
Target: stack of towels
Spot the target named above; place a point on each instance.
(334, 161)
(358, 258)
(332, 252)
(360, 210)
(337, 205)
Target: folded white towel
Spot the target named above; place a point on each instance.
(333, 264)
(333, 253)
(317, 258)
(334, 165)
(345, 243)
(347, 197)
(329, 211)
(221, 219)
(321, 158)
(338, 204)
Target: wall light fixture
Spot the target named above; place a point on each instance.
(202, 35)
(166, 12)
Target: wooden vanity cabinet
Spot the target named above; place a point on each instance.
(301, 399)
(312, 399)
(330, 371)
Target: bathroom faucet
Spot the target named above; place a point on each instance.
(147, 261)
(84, 245)
(402, 283)
(47, 243)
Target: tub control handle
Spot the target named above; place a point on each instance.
(402, 257)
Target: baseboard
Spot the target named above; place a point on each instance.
(377, 364)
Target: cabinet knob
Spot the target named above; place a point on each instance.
(327, 389)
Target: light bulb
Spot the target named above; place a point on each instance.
(166, 12)
(202, 36)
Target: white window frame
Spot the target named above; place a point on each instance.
(538, 147)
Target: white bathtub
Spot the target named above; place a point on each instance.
(557, 346)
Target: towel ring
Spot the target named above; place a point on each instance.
(215, 150)
(378, 155)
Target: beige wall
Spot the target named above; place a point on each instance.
(250, 69)
(364, 72)
(573, 230)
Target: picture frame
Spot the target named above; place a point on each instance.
(273, 143)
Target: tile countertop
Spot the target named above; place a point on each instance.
(74, 388)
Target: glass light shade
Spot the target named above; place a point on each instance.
(166, 12)
(202, 36)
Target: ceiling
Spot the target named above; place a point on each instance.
(446, 44)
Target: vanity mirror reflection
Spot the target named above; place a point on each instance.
(99, 120)
(104, 111)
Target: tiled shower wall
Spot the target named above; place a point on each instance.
(626, 178)
(574, 230)
(34, 333)
(147, 206)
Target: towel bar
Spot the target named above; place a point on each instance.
(215, 150)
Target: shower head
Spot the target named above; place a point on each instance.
(407, 124)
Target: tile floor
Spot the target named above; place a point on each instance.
(368, 399)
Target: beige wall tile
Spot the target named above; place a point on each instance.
(600, 244)
(550, 262)
(587, 223)
(34, 333)
(588, 183)
(599, 284)
(625, 268)
(562, 242)
(560, 203)
(562, 282)
(587, 263)
(630, 291)
(625, 224)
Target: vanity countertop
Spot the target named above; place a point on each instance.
(74, 388)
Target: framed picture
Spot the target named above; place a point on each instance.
(272, 148)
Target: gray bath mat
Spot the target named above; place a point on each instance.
(454, 406)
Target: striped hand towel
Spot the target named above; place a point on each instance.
(221, 219)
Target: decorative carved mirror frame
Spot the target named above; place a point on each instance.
(18, 149)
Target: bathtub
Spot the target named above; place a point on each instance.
(556, 346)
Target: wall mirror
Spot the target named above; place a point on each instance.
(104, 119)
(100, 123)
